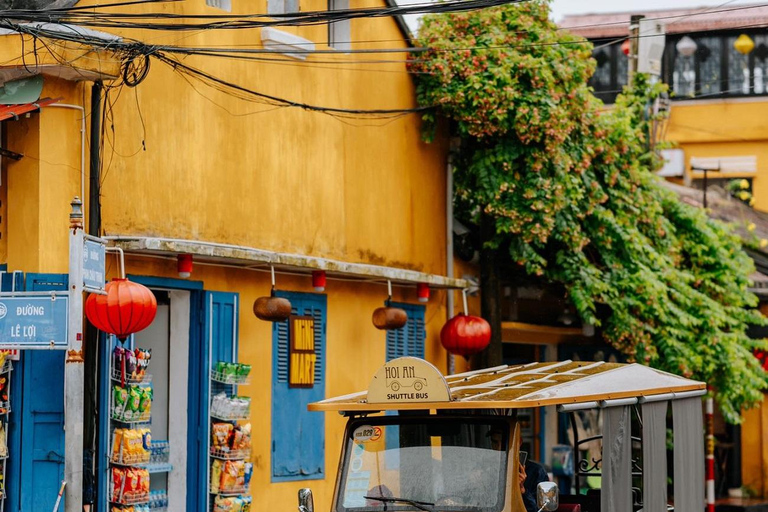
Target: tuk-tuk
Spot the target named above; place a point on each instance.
(416, 440)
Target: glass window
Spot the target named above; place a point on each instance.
(684, 76)
(738, 69)
(708, 54)
(441, 464)
(760, 69)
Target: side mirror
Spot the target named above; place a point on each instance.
(547, 496)
(306, 503)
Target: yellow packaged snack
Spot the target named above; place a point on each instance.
(117, 442)
(215, 476)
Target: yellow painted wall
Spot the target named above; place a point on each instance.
(754, 449)
(716, 128)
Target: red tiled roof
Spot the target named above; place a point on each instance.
(677, 21)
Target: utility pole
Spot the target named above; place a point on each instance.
(73, 367)
(634, 43)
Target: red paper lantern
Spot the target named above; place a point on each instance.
(184, 265)
(465, 335)
(422, 292)
(127, 308)
(318, 280)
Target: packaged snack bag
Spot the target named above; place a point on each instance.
(117, 444)
(119, 399)
(237, 505)
(247, 474)
(245, 441)
(215, 475)
(221, 433)
(222, 504)
(243, 370)
(217, 404)
(230, 371)
(130, 484)
(236, 438)
(130, 363)
(219, 368)
(3, 441)
(229, 475)
(145, 402)
(116, 484)
(143, 481)
(247, 502)
(146, 440)
(134, 399)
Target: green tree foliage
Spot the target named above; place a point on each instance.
(569, 186)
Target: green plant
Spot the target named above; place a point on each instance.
(569, 189)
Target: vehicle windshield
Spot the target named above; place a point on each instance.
(399, 463)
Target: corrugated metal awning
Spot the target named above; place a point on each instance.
(14, 111)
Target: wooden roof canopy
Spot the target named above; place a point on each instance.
(534, 385)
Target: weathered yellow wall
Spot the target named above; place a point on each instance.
(222, 169)
(712, 128)
(355, 349)
(42, 184)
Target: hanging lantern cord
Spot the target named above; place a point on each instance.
(389, 292)
(272, 271)
(464, 298)
(121, 256)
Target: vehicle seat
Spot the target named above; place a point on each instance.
(569, 507)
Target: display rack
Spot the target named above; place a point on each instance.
(150, 459)
(226, 408)
(5, 411)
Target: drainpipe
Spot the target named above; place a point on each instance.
(449, 298)
(91, 334)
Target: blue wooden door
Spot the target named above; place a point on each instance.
(298, 436)
(42, 415)
(218, 343)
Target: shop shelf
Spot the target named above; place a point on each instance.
(233, 491)
(157, 467)
(135, 499)
(218, 453)
(137, 460)
(117, 376)
(146, 417)
(222, 417)
(229, 379)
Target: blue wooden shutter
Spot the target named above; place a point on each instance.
(41, 381)
(298, 436)
(219, 343)
(408, 340)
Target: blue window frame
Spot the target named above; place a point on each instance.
(408, 340)
(298, 436)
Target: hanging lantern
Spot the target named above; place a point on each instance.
(422, 292)
(127, 308)
(389, 318)
(465, 335)
(184, 265)
(744, 44)
(272, 308)
(318, 280)
(625, 47)
(686, 46)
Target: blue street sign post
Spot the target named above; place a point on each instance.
(94, 256)
(34, 322)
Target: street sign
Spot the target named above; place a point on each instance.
(34, 321)
(94, 257)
